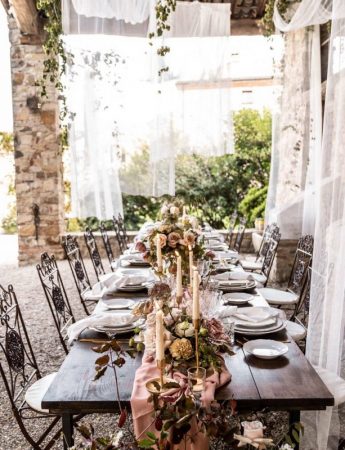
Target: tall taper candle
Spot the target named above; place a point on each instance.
(159, 253)
(179, 290)
(159, 336)
(190, 266)
(196, 304)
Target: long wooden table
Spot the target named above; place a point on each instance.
(288, 383)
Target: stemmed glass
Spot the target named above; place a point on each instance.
(196, 380)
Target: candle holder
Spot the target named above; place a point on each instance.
(179, 299)
(196, 324)
(151, 385)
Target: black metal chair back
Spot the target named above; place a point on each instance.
(123, 231)
(95, 257)
(119, 239)
(56, 296)
(77, 266)
(232, 223)
(107, 245)
(240, 234)
(301, 263)
(18, 367)
(270, 231)
(301, 312)
(271, 252)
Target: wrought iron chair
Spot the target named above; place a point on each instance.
(20, 373)
(122, 245)
(79, 273)
(123, 231)
(240, 234)
(232, 223)
(302, 261)
(271, 231)
(56, 296)
(107, 245)
(94, 253)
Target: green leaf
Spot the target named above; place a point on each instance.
(146, 443)
(100, 373)
(295, 435)
(151, 435)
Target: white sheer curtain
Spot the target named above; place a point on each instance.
(326, 331)
(139, 122)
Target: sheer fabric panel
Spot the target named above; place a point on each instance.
(326, 187)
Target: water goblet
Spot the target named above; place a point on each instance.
(196, 380)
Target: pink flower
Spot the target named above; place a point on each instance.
(146, 255)
(140, 246)
(173, 239)
(162, 240)
(216, 330)
(189, 238)
(210, 255)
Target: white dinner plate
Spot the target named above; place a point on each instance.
(237, 285)
(278, 297)
(117, 303)
(237, 298)
(266, 348)
(260, 331)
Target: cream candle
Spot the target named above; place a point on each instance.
(196, 303)
(190, 265)
(159, 253)
(179, 290)
(159, 336)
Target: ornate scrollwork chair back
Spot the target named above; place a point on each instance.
(119, 239)
(77, 266)
(271, 230)
(95, 257)
(240, 234)
(270, 254)
(18, 367)
(232, 223)
(56, 296)
(106, 243)
(302, 262)
(123, 231)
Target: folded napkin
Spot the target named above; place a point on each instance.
(115, 281)
(142, 409)
(101, 320)
(225, 311)
(233, 283)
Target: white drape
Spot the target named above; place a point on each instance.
(148, 120)
(138, 18)
(326, 331)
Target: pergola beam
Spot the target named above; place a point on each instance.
(26, 16)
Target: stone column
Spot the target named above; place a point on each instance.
(38, 160)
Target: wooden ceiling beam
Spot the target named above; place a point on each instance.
(26, 15)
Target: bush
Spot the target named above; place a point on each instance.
(9, 222)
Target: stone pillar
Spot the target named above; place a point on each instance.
(38, 160)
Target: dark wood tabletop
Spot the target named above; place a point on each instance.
(287, 383)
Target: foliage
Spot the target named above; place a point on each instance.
(254, 203)
(54, 66)
(163, 10)
(6, 143)
(267, 20)
(9, 222)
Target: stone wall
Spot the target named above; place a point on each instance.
(37, 154)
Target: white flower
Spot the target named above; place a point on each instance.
(286, 447)
(164, 209)
(174, 210)
(184, 329)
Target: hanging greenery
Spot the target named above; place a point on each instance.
(163, 10)
(267, 20)
(54, 65)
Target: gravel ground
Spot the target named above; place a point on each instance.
(50, 354)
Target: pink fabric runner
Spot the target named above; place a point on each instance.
(142, 410)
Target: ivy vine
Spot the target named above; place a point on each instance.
(163, 10)
(267, 20)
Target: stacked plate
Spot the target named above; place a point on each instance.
(133, 283)
(117, 303)
(237, 285)
(256, 321)
(120, 325)
(265, 348)
(237, 298)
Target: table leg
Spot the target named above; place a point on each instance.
(294, 417)
(67, 431)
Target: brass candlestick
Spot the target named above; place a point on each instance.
(161, 366)
(196, 323)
